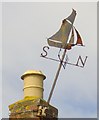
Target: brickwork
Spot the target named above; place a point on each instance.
(32, 108)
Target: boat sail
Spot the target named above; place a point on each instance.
(61, 38)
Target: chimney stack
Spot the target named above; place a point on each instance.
(33, 83)
(33, 105)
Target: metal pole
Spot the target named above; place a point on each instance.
(57, 74)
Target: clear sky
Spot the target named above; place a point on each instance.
(25, 27)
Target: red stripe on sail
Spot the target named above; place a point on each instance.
(79, 40)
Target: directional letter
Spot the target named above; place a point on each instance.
(44, 55)
(83, 62)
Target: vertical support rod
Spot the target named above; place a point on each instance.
(57, 74)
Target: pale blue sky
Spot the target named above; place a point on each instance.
(25, 28)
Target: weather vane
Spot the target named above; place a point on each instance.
(64, 39)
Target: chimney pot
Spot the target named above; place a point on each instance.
(33, 83)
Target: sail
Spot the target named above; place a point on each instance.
(60, 38)
(72, 16)
(79, 40)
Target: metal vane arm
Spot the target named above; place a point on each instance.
(57, 74)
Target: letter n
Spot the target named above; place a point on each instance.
(82, 62)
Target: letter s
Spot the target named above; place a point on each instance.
(44, 49)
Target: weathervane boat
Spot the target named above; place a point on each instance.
(61, 38)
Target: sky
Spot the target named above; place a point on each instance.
(25, 27)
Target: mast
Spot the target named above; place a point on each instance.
(57, 74)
